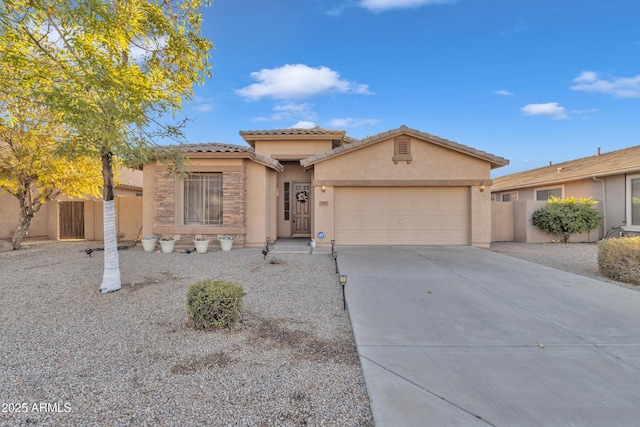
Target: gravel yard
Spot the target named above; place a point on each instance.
(70, 356)
(578, 258)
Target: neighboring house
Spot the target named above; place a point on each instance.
(401, 187)
(612, 179)
(75, 219)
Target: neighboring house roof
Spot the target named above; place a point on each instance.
(612, 163)
(336, 136)
(229, 150)
(130, 179)
(354, 144)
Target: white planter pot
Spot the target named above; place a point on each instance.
(202, 246)
(226, 245)
(149, 245)
(167, 246)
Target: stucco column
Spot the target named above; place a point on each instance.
(480, 217)
(323, 207)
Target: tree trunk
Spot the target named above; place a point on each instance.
(28, 208)
(111, 277)
(21, 230)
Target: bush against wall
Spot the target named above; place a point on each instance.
(564, 217)
(214, 303)
(619, 259)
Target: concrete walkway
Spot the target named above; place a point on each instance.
(299, 245)
(462, 336)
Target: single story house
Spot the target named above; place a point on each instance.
(400, 187)
(612, 179)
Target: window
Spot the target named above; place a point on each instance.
(547, 193)
(509, 197)
(203, 199)
(402, 149)
(633, 201)
(287, 200)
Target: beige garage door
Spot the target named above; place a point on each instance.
(402, 215)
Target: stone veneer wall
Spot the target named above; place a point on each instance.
(234, 204)
(165, 200)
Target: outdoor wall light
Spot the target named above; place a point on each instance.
(343, 282)
(481, 187)
(324, 187)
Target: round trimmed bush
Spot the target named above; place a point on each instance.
(619, 259)
(214, 303)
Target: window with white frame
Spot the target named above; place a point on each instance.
(547, 193)
(202, 199)
(633, 201)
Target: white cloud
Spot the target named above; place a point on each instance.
(304, 125)
(203, 108)
(299, 110)
(549, 109)
(620, 87)
(289, 111)
(351, 123)
(503, 92)
(590, 110)
(384, 5)
(298, 81)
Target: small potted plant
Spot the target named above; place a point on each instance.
(149, 243)
(226, 242)
(167, 244)
(202, 245)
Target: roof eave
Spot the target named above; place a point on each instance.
(570, 179)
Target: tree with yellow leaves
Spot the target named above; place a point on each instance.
(30, 168)
(112, 69)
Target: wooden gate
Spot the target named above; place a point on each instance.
(71, 220)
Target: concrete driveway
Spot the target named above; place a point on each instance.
(463, 336)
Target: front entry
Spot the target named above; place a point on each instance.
(301, 203)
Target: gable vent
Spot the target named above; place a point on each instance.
(402, 150)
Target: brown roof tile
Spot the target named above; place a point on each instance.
(216, 147)
(612, 163)
(293, 131)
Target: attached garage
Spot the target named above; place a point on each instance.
(402, 215)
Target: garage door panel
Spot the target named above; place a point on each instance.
(402, 215)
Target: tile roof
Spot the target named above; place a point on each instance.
(216, 147)
(211, 147)
(130, 178)
(293, 131)
(353, 144)
(612, 163)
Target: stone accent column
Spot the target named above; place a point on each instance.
(234, 201)
(165, 197)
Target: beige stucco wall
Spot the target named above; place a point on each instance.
(611, 205)
(292, 149)
(615, 202)
(431, 166)
(46, 222)
(502, 226)
(480, 217)
(375, 162)
(260, 204)
(10, 212)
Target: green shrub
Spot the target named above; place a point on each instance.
(566, 217)
(214, 303)
(619, 259)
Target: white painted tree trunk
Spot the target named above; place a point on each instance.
(111, 279)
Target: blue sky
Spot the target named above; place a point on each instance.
(529, 80)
